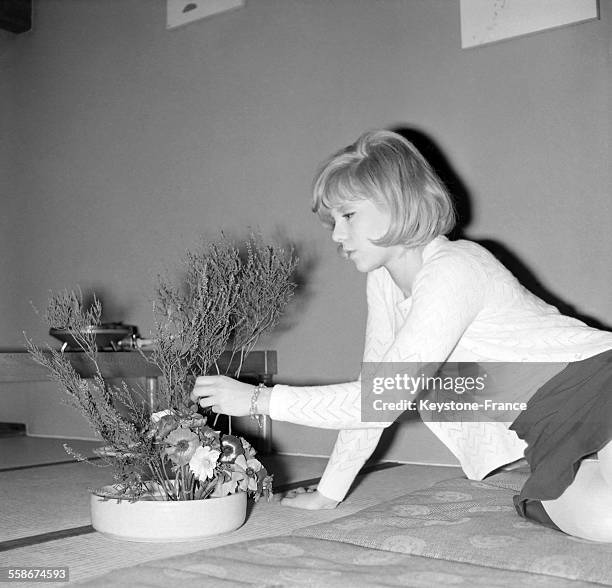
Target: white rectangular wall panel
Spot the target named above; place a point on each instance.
(182, 12)
(487, 21)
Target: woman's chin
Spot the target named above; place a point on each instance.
(362, 267)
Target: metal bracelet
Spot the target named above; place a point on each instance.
(253, 412)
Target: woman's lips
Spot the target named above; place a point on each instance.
(345, 253)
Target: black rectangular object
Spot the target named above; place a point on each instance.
(16, 15)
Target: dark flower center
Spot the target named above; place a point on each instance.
(182, 446)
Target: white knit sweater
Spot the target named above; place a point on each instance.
(465, 307)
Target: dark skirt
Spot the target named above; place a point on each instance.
(566, 420)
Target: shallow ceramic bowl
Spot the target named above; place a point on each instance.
(151, 521)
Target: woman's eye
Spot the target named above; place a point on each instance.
(348, 215)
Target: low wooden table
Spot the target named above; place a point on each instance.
(17, 365)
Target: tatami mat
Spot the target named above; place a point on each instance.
(93, 554)
(44, 499)
(24, 451)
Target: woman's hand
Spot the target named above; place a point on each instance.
(227, 396)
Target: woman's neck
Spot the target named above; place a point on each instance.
(404, 267)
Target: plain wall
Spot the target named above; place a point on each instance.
(14, 400)
(8, 261)
(134, 140)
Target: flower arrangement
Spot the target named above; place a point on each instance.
(204, 462)
(229, 297)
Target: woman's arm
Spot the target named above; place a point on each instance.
(335, 406)
(447, 296)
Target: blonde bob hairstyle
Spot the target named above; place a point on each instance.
(385, 168)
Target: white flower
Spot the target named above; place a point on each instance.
(156, 416)
(203, 462)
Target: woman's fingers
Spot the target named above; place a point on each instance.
(223, 394)
(209, 380)
(300, 490)
(208, 386)
(204, 386)
(206, 402)
(196, 395)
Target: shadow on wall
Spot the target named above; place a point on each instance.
(308, 260)
(113, 311)
(531, 282)
(302, 274)
(438, 161)
(462, 200)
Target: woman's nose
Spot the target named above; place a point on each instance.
(337, 234)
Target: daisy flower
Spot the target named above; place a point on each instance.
(203, 462)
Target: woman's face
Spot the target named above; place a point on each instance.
(356, 224)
